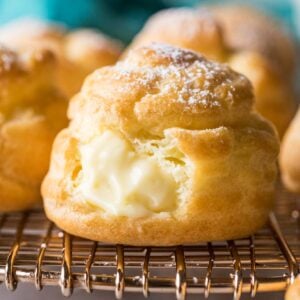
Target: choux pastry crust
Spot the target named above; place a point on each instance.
(32, 111)
(290, 155)
(293, 291)
(202, 31)
(79, 52)
(246, 28)
(178, 123)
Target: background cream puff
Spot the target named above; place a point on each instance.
(293, 291)
(78, 53)
(290, 156)
(246, 28)
(32, 111)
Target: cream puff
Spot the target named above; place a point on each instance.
(163, 148)
(290, 156)
(246, 28)
(32, 111)
(202, 31)
(293, 291)
(79, 52)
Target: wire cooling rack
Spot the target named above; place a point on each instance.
(32, 249)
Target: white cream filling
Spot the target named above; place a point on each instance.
(122, 182)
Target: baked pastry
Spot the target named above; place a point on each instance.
(290, 155)
(275, 97)
(293, 291)
(246, 28)
(163, 148)
(201, 31)
(32, 111)
(184, 28)
(79, 52)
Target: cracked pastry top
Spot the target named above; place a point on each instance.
(163, 148)
(289, 156)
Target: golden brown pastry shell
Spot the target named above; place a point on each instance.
(232, 150)
(290, 155)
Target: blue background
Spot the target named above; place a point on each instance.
(123, 18)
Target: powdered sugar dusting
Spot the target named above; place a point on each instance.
(193, 80)
(175, 55)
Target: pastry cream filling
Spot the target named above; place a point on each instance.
(123, 182)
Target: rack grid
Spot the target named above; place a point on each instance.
(33, 249)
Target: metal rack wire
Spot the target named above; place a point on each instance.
(32, 249)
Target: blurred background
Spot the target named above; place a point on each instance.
(122, 19)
